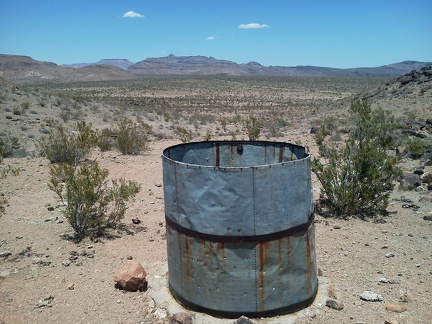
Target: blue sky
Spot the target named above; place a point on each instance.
(333, 33)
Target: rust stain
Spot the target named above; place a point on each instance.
(263, 248)
(220, 250)
(217, 156)
(281, 153)
(188, 259)
(280, 254)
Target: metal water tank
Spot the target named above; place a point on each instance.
(239, 227)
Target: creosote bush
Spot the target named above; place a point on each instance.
(131, 137)
(63, 146)
(418, 146)
(104, 139)
(91, 204)
(184, 134)
(357, 175)
(253, 127)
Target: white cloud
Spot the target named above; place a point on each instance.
(132, 14)
(253, 25)
(211, 38)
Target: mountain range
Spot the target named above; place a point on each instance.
(16, 68)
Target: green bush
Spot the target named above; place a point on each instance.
(3, 203)
(184, 134)
(131, 138)
(9, 144)
(357, 175)
(91, 205)
(104, 139)
(63, 146)
(418, 146)
(253, 128)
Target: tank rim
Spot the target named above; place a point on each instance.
(164, 156)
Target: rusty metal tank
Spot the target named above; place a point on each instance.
(239, 227)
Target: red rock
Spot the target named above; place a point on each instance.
(131, 277)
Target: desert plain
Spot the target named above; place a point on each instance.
(46, 276)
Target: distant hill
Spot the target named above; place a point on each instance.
(24, 69)
(201, 65)
(119, 63)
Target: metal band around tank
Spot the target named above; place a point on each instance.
(252, 238)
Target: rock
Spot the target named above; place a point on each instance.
(45, 302)
(334, 304)
(428, 217)
(66, 263)
(370, 296)
(314, 129)
(426, 177)
(419, 171)
(411, 180)
(426, 158)
(131, 277)
(5, 274)
(401, 151)
(50, 208)
(391, 322)
(71, 286)
(243, 320)
(180, 318)
(136, 221)
(5, 253)
(396, 308)
(160, 313)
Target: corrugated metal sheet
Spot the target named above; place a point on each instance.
(240, 233)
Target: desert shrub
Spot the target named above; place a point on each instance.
(253, 127)
(63, 146)
(418, 146)
(3, 203)
(223, 122)
(184, 134)
(24, 107)
(6, 169)
(91, 204)
(208, 135)
(131, 137)
(17, 111)
(357, 175)
(65, 115)
(104, 139)
(8, 145)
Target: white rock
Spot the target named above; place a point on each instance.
(371, 296)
